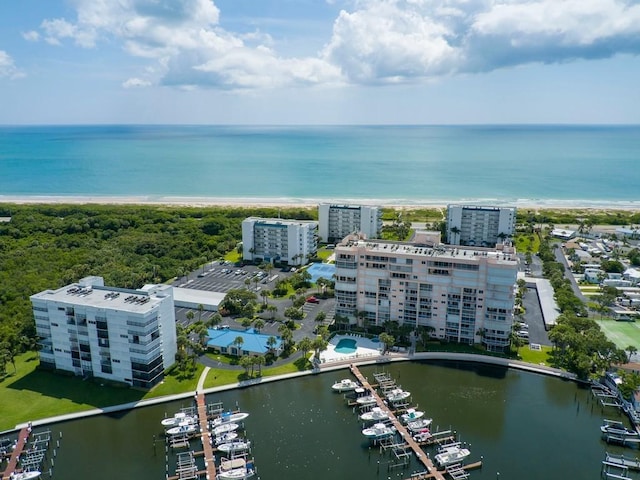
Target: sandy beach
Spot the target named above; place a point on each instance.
(255, 202)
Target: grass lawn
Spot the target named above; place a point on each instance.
(233, 256)
(622, 334)
(524, 241)
(323, 253)
(538, 357)
(31, 394)
(218, 377)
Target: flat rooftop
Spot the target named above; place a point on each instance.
(112, 298)
(441, 251)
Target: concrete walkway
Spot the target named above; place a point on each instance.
(203, 377)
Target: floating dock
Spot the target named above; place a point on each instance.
(23, 437)
(209, 459)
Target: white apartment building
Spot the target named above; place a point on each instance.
(292, 242)
(113, 333)
(464, 294)
(337, 221)
(479, 226)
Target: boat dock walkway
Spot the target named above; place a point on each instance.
(420, 454)
(209, 459)
(23, 436)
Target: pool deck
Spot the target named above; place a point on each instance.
(365, 347)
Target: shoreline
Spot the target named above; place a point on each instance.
(285, 202)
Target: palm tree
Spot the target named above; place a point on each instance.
(190, 316)
(259, 325)
(387, 340)
(259, 361)
(273, 309)
(305, 345)
(631, 350)
(238, 342)
(264, 294)
(271, 343)
(456, 232)
(200, 310)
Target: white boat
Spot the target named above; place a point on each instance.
(177, 419)
(612, 427)
(419, 425)
(183, 428)
(449, 455)
(411, 415)
(379, 430)
(225, 428)
(397, 394)
(422, 436)
(233, 447)
(374, 415)
(224, 438)
(345, 385)
(26, 475)
(366, 400)
(229, 418)
(236, 469)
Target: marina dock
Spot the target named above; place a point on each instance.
(420, 454)
(209, 459)
(23, 437)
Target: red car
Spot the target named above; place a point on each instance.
(313, 300)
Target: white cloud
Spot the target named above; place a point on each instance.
(399, 40)
(8, 67)
(31, 36)
(375, 41)
(135, 83)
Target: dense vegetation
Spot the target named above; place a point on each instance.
(48, 246)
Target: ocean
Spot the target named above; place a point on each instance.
(515, 165)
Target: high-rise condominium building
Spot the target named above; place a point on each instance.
(292, 242)
(463, 294)
(337, 221)
(479, 226)
(118, 334)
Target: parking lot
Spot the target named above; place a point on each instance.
(222, 277)
(217, 277)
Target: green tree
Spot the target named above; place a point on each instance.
(238, 342)
(258, 325)
(387, 340)
(305, 346)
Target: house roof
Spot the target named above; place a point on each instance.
(252, 341)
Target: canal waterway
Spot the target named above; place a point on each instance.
(524, 426)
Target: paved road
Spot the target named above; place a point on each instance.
(567, 273)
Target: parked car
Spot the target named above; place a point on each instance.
(312, 300)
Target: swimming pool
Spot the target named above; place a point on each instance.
(346, 346)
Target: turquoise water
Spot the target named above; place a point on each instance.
(346, 345)
(412, 164)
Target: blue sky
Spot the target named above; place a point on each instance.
(319, 61)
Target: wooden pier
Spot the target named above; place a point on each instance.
(209, 459)
(420, 454)
(23, 436)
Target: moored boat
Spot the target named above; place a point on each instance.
(379, 430)
(225, 428)
(450, 455)
(419, 425)
(229, 418)
(25, 475)
(366, 400)
(345, 385)
(236, 469)
(423, 436)
(613, 427)
(183, 428)
(224, 438)
(233, 447)
(397, 394)
(374, 415)
(411, 415)
(177, 419)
